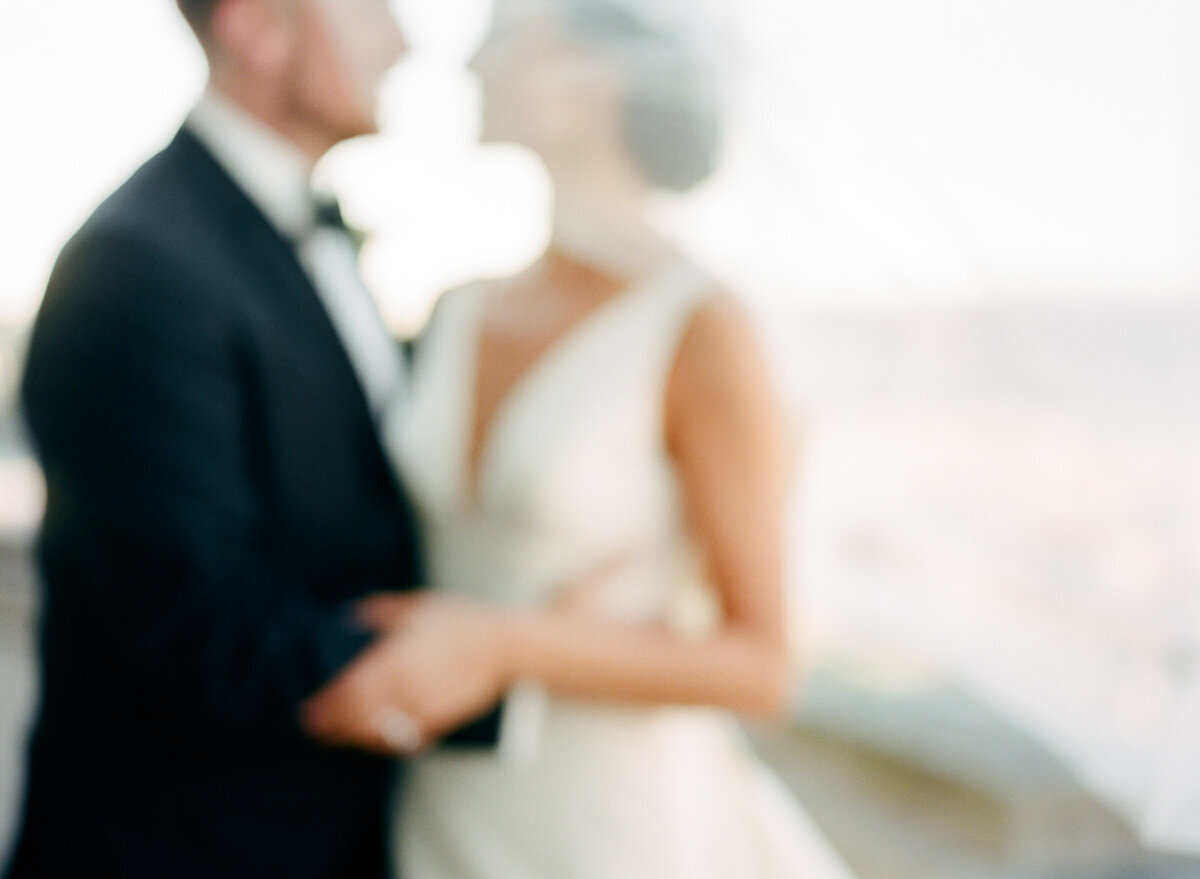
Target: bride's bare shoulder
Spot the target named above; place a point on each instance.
(720, 342)
(720, 381)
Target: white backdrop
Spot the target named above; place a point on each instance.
(881, 151)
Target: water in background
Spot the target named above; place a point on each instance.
(1008, 495)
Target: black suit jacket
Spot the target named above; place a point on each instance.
(217, 497)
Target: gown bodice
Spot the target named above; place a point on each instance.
(573, 473)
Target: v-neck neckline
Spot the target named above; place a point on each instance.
(475, 460)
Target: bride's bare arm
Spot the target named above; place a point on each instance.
(730, 442)
(442, 660)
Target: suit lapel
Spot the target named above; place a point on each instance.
(271, 257)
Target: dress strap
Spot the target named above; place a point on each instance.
(673, 302)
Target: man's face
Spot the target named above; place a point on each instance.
(343, 49)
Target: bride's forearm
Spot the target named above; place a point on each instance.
(745, 671)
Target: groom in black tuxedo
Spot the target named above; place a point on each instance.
(204, 384)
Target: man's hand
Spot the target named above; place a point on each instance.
(443, 663)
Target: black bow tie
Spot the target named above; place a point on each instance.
(327, 214)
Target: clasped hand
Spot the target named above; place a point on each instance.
(438, 663)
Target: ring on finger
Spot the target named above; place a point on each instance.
(399, 730)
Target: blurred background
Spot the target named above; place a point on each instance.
(971, 235)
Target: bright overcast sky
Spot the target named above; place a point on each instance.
(928, 149)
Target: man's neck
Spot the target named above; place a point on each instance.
(267, 107)
(265, 164)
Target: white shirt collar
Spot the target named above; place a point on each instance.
(270, 170)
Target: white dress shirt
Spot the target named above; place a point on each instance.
(276, 178)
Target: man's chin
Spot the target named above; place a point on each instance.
(361, 128)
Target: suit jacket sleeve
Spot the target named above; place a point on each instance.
(141, 408)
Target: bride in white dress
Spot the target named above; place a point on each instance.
(605, 420)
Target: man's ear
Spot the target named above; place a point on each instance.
(255, 36)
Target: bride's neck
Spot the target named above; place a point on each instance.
(608, 232)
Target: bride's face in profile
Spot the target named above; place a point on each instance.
(537, 88)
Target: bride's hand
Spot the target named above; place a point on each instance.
(445, 665)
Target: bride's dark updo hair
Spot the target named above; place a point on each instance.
(670, 117)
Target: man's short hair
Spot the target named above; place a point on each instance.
(198, 14)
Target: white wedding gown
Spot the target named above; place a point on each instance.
(574, 473)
